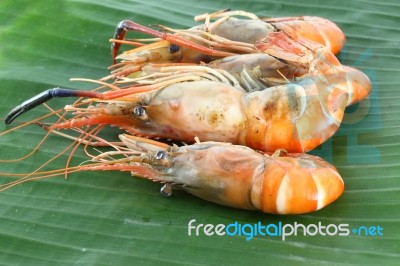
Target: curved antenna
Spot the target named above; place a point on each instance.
(44, 97)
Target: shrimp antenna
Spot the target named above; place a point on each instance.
(44, 97)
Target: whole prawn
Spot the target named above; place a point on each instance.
(222, 173)
(297, 116)
(227, 33)
(224, 37)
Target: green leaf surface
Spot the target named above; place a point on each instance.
(103, 218)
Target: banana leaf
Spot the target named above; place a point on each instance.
(112, 218)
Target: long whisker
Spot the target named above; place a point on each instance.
(37, 145)
(105, 84)
(35, 172)
(34, 121)
(30, 153)
(41, 175)
(112, 165)
(70, 157)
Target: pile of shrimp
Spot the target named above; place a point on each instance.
(247, 97)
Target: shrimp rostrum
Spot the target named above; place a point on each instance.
(225, 174)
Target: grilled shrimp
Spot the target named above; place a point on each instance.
(226, 36)
(296, 117)
(233, 175)
(213, 105)
(222, 173)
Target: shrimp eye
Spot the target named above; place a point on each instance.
(161, 155)
(162, 160)
(174, 48)
(140, 112)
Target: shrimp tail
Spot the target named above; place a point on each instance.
(317, 29)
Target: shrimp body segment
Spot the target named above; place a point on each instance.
(238, 176)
